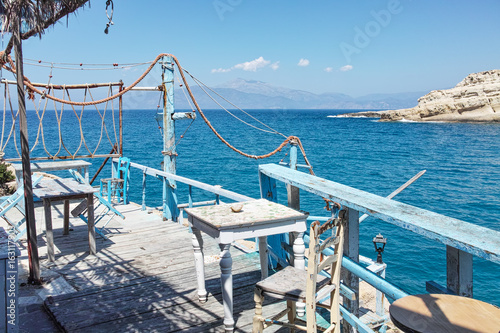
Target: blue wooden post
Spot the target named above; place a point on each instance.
(268, 188)
(293, 195)
(170, 210)
(268, 191)
(351, 250)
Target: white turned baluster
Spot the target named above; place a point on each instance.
(226, 264)
(299, 250)
(197, 241)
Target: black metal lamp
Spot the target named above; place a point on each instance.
(379, 242)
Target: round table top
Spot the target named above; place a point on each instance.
(444, 313)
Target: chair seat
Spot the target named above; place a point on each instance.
(289, 283)
(113, 180)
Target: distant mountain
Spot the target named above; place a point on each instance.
(251, 94)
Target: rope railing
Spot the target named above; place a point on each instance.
(33, 89)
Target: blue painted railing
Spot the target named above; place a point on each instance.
(463, 240)
(215, 189)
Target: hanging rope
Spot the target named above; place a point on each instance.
(203, 86)
(32, 88)
(82, 66)
(13, 126)
(181, 71)
(41, 114)
(40, 118)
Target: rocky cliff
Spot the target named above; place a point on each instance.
(475, 99)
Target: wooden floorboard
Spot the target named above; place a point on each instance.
(143, 278)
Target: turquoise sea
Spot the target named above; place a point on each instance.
(462, 178)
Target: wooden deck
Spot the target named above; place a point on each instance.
(141, 280)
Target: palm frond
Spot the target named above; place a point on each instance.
(35, 15)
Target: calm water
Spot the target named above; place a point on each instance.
(462, 179)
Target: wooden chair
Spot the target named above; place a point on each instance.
(117, 186)
(107, 213)
(294, 285)
(16, 200)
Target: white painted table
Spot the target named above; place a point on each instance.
(65, 189)
(81, 166)
(258, 218)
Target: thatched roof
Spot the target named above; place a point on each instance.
(36, 15)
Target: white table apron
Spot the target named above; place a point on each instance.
(200, 220)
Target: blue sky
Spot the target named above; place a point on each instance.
(354, 47)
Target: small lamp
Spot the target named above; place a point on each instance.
(379, 242)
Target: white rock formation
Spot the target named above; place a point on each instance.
(475, 99)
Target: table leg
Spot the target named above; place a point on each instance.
(109, 191)
(197, 242)
(48, 229)
(263, 253)
(299, 262)
(90, 224)
(86, 171)
(226, 263)
(66, 218)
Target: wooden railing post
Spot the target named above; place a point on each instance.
(292, 191)
(351, 250)
(380, 296)
(269, 191)
(293, 195)
(170, 210)
(268, 188)
(459, 271)
(144, 190)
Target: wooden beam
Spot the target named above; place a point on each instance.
(69, 86)
(459, 271)
(351, 250)
(398, 190)
(170, 210)
(34, 264)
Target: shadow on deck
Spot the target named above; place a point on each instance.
(141, 280)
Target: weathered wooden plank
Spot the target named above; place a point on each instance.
(110, 274)
(173, 318)
(143, 279)
(134, 299)
(163, 294)
(467, 237)
(459, 271)
(62, 189)
(178, 273)
(127, 241)
(351, 250)
(52, 166)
